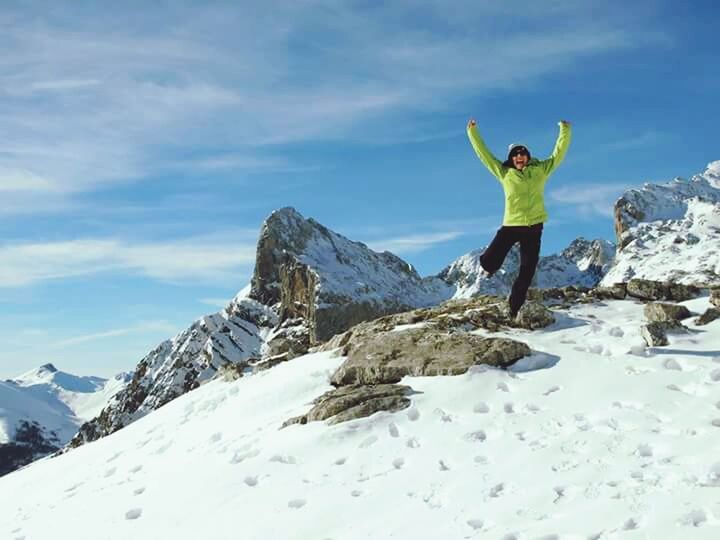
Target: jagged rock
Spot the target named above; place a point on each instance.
(655, 333)
(645, 289)
(533, 315)
(616, 291)
(232, 372)
(389, 356)
(292, 337)
(30, 442)
(355, 401)
(668, 231)
(313, 273)
(709, 316)
(715, 297)
(270, 362)
(656, 311)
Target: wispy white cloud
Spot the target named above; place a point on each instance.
(147, 326)
(89, 104)
(176, 260)
(590, 200)
(413, 243)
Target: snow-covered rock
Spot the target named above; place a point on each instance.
(308, 271)
(670, 232)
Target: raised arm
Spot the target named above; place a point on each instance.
(561, 147)
(493, 164)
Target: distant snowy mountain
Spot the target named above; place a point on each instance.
(670, 231)
(41, 410)
(583, 263)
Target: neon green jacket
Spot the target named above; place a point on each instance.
(524, 190)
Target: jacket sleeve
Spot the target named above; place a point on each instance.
(561, 147)
(493, 164)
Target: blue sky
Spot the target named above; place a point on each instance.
(145, 143)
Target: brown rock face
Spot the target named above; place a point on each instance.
(355, 401)
(658, 312)
(388, 357)
(645, 289)
(626, 215)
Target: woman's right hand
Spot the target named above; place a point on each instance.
(472, 123)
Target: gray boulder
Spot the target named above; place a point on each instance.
(709, 316)
(657, 311)
(655, 333)
(715, 297)
(617, 291)
(533, 315)
(355, 401)
(645, 289)
(389, 356)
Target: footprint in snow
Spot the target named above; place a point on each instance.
(136, 468)
(616, 331)
(215, 437)
(110, 472)
(476, 436)
(497, 490)
(532, 408)
(296, 503)
(356, 493)
(481, 408)
(398, 463)
(644, 450)
(716, 422)
(287, 460)
(114, 457)
(251, 481)
(240, 456)
(551, 390)
(671, 363)
(412, 442)
(139, 491)
(393, 430)
(443, 465)
(133, 513)
(631, 524)
(475, 524)
(503, 387)
(715, 375)
(445, 417)
(694, 519)
(164, 448)
(372, 439)
(509, 407)
(340, 461)
(413, 414)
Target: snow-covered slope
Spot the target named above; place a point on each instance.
(594, 436)
(582, 263)
(670, 231)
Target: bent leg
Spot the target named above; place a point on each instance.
(529, 256)
(491, 260)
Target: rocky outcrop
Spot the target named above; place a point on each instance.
(669, 232)
(655, 333)
(660, 312)
(310, 272)
(710, 315)
(355, 401)
(650, 290)
(715, 297)
(388, 357)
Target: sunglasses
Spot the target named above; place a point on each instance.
(519, 150)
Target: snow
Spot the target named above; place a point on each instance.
(60, 402)
(593, 436)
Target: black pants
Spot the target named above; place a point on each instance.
(507, 237)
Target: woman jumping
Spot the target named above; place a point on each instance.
(523, 180)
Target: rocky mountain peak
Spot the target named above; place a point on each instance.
(670, 231)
